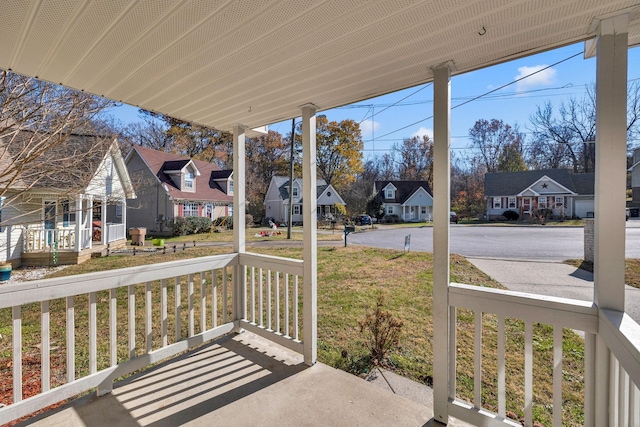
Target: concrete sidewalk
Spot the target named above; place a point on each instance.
(550, 278)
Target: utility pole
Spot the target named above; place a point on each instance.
(293, 140)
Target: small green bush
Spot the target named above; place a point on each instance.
(223, 221)
(182, 226)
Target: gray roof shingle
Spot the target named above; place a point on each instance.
(512, 183)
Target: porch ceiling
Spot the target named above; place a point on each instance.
(224, 62)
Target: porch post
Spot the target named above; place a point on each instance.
(78, 239)
(239, 209)
(441, 185)
(89, 219)
(610, 185)
(310, 251)
(103, 220)
(124, 214)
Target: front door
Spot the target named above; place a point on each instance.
(50, 215)
(526, 205)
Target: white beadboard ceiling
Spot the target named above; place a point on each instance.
(226, 62)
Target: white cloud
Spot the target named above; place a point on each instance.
(423, 131)
(543, 78)
(368, 128)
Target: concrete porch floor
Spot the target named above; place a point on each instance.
(241, 380)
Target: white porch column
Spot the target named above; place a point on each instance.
(310, 251)
(239, 181)
(78, 239)
(89, 219)
(239, 210)
(610, 186)
(103, 220)
(124, 214)
(441, 185)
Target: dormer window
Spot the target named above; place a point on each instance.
(188, 180)
(294, 191)
(230, 192)
(389, 194)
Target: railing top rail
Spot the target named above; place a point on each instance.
(285, 265)
(566, 312)
(47, 289)
(622, 335)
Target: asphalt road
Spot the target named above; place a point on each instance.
(544, 243)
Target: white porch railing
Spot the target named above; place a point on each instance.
(115, 232)
(205, 297)
(620, 333)
(41, 239)
(85, 238)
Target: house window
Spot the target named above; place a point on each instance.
(389, 193)
(230, 187)
(497, 203)
(230, 210)
(188, 179)
(294, 191)
(296, 209)
(208, 211)
(118, 210)
(190, 209)
(423, 210)
(512, 202)
(542, 202)
(559, 201)
(390, 210)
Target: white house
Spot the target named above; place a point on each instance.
(55, 217)
(566, 194)
(276, 202)
(410, 200)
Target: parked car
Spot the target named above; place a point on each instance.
(453, 217)
(362, 220)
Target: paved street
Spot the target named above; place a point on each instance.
(527, 242)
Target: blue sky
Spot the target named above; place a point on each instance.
(513, 104)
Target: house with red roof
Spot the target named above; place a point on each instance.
(170, 186)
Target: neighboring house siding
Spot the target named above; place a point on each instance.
(151, 200)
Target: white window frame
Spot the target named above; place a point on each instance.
(189, 209)
(497, 203)
(294, 191)
(188, 180)
(559, 201)
(118, 210)
(230, 192)
(389, 193)
(542, 202)
(423, 210)
(512, 201)
(296, 209)
(390, 210)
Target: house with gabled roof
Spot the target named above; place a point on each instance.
(171, 186)
(54, 214)
(567, 195)
(410, 200)
(276, 201)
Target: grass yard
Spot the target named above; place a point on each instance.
(227, 236)
(349, 283)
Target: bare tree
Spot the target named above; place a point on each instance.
(416, 159)
(40, 125)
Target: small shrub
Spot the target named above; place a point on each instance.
(248, 220)
(511, 215)
(179, 226)
(223, 221)
(182, 226)
(382, 330)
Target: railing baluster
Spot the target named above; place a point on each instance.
(589, 379)
(277, 301)
(132, 321)
(614, 368)
(634, 405)
(557, 375)
(623, 397)
(148, 318)
(286, 304)
(295, 308)
(17, 353)
(452, 351)
(243, 269)
(502, 400)
(93, 334)
(113, 332)
(191, 308)
(253, 294)
(269, 299)
(528, 373)
(477, 375)
(163, 311)
(203, 302)
(46, 345)
(214, 297)
(71, 341)
(224, 295)
(177, 308)
(260, 298)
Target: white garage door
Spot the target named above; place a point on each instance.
(582, 207)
